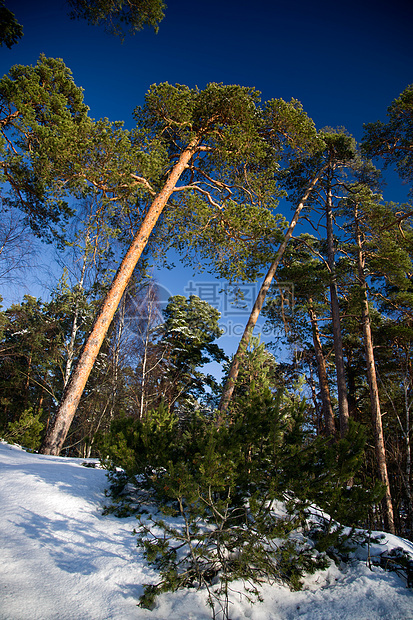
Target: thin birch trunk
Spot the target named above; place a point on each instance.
(55, 438)
(143, 384)
(27, 384)
(116, 358)
(75, 326)
(151, 303)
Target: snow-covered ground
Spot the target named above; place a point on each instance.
(60, 559)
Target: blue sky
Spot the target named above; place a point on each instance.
(345, 62)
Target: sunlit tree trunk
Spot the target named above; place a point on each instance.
(259, 302)
(406, 475)
(407, 383)
(57, 434)
(373, 388)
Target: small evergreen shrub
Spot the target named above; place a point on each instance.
(207, 495)
(26, 431)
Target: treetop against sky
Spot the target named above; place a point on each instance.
(344, 62)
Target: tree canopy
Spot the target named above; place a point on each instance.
(393, 141)
(119, 17)
(43, 122)
(203, 172)
(10, 29)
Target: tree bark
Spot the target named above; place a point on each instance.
(259, 302)
(335, 315)
(56, 436)
(75, 324)
(374, 391)
(330, 427)
(407, 382)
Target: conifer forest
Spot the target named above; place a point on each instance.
(252, 192)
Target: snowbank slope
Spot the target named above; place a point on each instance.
(62, 560)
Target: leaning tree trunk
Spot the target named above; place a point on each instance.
(328, 413)
(335, 315)
(56, 436)
(374, 391)
(259, 302)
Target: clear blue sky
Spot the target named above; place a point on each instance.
(345, 61)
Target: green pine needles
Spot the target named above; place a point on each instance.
(25, 431)
(229, 501)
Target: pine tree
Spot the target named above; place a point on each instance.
(304, 266)
(393, 141)
(175, 116)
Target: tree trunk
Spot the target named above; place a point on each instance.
(27, 384)
(150, 309)
(374, 391)
(317, 409)
(56, 436)
(351, 375)
(114, 366)
(335, 315)
(259, 302)
(407, 382)
(75, 325)
(330, 427)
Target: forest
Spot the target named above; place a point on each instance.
(106, 369)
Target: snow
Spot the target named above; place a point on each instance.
(61, 559)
